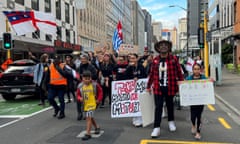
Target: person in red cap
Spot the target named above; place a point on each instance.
(164, 74)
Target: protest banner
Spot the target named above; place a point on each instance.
(127, 48)
(196, 92)
(147, 107)
(125, 98)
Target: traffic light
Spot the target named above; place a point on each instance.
(7, 41)
(201, 37)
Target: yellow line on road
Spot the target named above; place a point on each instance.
(176, 142)
(224, 123)
(211, 107)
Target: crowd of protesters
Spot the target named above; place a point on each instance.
(65, 75)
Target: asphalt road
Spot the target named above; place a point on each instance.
(42, 128)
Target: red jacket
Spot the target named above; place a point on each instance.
(174, 74)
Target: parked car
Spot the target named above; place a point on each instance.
(18, 79)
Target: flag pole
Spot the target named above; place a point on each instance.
(7, 30)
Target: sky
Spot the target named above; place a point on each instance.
(160, 11)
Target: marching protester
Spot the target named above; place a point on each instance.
(135, 71)
(70, 81)
(90, 94)
(106, 78)
(57, 76)
(120, 68)
(164, 74)
(85, 66)
(196, 110)
(39, 78)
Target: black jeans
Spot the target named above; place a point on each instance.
(159, 99)
(196, 114)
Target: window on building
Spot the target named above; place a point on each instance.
(47, 5)
(59, 32)
(58, 9)
(73, 16)
(20, 2)
(67, 35)
(235, 12)
(48, 37)
(217, 24)
(35, 4)
(67, 19)
(74, 37)
(36, 34)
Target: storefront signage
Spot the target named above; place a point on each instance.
(61, 44)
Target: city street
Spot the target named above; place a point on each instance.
(42, 128)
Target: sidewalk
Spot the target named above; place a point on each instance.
(229, 91)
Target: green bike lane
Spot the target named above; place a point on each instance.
(15, 110)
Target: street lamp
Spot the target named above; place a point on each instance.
(171, 6)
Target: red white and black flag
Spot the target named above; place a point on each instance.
(24, 22)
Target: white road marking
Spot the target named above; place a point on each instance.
(81, 134)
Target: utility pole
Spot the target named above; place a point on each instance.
(206, 53)
(7, 30)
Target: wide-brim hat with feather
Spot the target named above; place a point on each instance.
(157, 46)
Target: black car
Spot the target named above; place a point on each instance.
(18, 79)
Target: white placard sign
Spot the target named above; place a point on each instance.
(196, 92)
(147, 107)
(125, 101)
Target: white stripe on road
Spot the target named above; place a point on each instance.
(20, 117)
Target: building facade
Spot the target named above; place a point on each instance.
(38, 42)
(236, 30)
(118, 11)
(91, 24)
(182, 33)
(196, 10)
(148, 30)
(138, 26)
(157, 31)
(174, 39)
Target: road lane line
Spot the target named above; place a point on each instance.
(224, 123)
(177, 142)
(11, 122)
(21, 117)
(211, 107)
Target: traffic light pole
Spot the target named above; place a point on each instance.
(7, 30)
(206, 53)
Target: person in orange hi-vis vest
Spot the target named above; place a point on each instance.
(57, 76)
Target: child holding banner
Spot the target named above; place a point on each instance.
(90, 93)
(196, 110)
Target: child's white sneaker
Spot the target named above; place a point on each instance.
(172, 126)
(156, 132)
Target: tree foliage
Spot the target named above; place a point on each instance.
(227, 53)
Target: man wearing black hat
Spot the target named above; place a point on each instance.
(165, 72)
